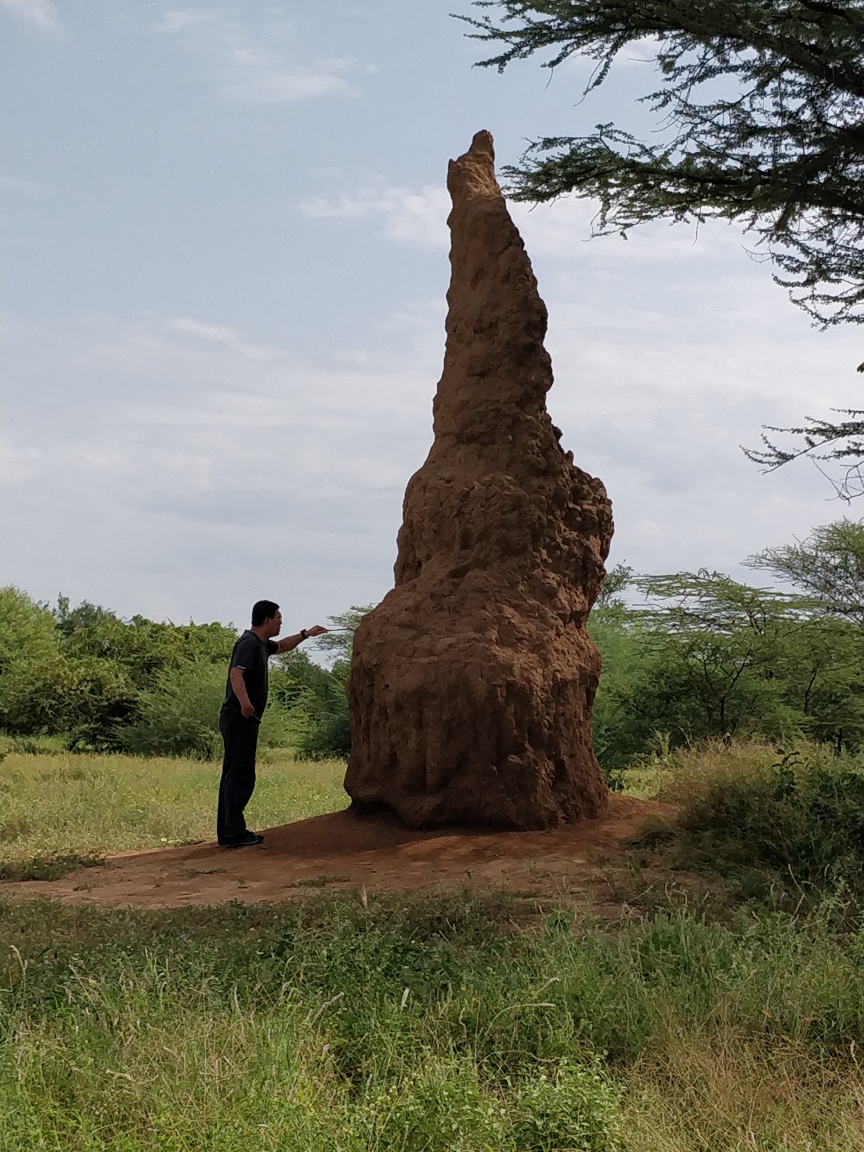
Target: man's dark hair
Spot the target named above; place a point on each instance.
(263, 610)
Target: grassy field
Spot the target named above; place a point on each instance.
(59, 804)
(469, 1023)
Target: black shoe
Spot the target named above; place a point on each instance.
(246, 841)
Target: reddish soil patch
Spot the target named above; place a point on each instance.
(342, 851)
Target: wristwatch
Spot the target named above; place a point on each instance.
(304, 634)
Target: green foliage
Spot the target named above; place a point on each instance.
(687, 657)
(27, 629)
(428, 1023)
(574, 1107)
(318, 719)
(144, 648)
(103, 682)
(798, 821)
(703, 656)
(755, 113)
(86, 699)
(828, 565)
(180, 716)
(757, 119)
(339, 639)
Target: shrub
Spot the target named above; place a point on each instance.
(319, 724)
(315, 706)
(180, 717)
(84, 699)
(800, 817)
(320, 727)
(576, 1106)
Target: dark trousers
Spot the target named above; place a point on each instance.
(238, 775)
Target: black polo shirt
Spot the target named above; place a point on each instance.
(251, 655)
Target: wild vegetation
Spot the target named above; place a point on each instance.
(724, 1009)
(686, 657)
(755, 121)
(717, 1014)
(695, 656)
(96, 682)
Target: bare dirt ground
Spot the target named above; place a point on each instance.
(344, 851)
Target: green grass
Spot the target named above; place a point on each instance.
(426, 1025)
(460, 1023)
(782, 826)
(56, 805)
(46, 867)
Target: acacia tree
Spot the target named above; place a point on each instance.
(762, 109)
(828, 567)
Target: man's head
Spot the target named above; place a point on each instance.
(266, 618)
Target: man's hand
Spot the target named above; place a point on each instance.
(316, 631)
(239, 685)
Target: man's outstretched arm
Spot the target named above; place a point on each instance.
(290, 642)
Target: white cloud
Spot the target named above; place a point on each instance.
(252, 72)
(216, 332)
(177, 21)
(415, 216)
(561, 230)
(262, 78)
(173, 461)
(41, 12)
(191, 466)
(21, 185)
(220, 334)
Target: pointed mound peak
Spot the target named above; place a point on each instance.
(473, 174)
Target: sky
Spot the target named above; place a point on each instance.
(222, 286)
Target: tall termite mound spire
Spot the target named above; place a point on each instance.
(472, 682)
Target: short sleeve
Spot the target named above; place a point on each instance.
(272, 647)
(244, 653)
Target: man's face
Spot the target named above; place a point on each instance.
(273, 625)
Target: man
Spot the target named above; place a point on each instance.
(245, 701)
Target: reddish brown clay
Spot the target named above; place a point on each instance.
(472, 682)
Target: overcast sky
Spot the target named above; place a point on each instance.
(223, 275)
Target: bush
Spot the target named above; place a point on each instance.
(180, 717)
(799, 817)
(320, 726)
(84, 699)
(574, 1106)
(315, 704)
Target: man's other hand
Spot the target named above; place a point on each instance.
(248, 710)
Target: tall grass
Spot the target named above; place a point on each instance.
(461, 1023)
(421, 1024)
(771, 821)
(90, 804)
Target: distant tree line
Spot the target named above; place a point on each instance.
(686, 657)
(697, 655)
(95, 681)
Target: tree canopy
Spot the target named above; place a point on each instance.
(761, 105)
(828, 567)
(760, 113)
